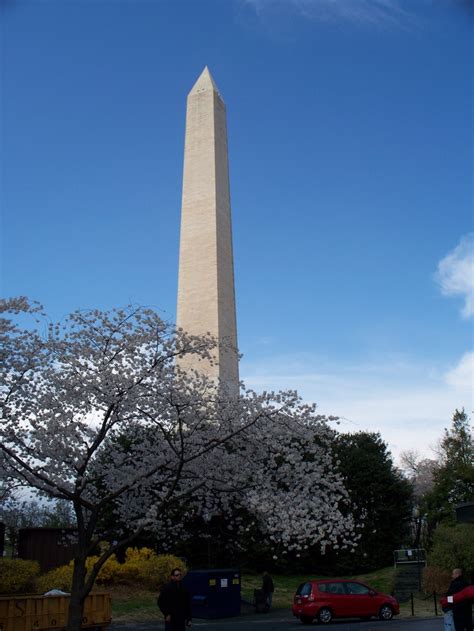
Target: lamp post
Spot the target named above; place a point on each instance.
(417, 519)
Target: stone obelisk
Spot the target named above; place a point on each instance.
(206, 295)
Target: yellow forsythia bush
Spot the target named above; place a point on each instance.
(156, 572)
(59, 578)
(145, 567)
(142, 567)
(134, 570)
(17, 576)
(108, 573)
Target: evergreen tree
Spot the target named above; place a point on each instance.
(382, 500)
(454, 478)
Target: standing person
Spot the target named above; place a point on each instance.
(267, 589)
(448, 618)
(462, 611)
(174, 602)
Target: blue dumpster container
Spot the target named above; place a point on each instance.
(214, 593)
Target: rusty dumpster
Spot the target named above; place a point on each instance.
(45, 613)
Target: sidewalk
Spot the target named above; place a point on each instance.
(248, 616)
(282, 620)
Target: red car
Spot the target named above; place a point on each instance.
(336, 598)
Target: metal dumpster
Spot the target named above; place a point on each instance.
(45, 613)
(214, 593)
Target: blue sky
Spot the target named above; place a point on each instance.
(350, 136)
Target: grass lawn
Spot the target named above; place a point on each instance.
(423, 607)
(131, 604)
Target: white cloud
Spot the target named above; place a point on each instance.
(407, 401)
(456, 274)
(462, 376)
(374, 12)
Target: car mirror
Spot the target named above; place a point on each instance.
(372, 592)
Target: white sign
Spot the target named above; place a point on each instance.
(223, 582)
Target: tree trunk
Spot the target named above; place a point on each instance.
(78, 595)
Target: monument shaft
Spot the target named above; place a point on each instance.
(206, 295)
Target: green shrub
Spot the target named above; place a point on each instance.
(17, 576)
(435, 579)
(453, 546)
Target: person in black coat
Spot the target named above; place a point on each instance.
(462, 612)
(267, 589)
(174, 602)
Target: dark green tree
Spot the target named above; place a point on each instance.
(454, 478)
(382, 501)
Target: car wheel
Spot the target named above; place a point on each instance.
(306, 619)
(385, 612)
(325, 615)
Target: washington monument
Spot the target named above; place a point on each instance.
(206, 296)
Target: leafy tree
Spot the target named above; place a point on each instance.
(381, 498)
(420, 472)
(454, 477)
(453, 546)
(17, 514)
(95, 413)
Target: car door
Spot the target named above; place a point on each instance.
(336, 595)
(359, 600)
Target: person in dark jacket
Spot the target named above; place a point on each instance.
(174, 602)
(267, 589)
(462, 612)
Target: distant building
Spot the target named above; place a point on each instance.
(51, 547)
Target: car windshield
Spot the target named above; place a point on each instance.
(304, 589)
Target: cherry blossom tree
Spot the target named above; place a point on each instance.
(94, 412)
(273, 484)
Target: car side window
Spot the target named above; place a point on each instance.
(357, 589)
(335, 588)
(304, 589)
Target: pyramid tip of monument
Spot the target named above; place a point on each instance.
(205, 82)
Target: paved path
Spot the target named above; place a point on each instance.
(281, 620)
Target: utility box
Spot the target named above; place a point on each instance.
(214, 593)
(465, 513)
(49, 613)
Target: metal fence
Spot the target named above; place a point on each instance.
(423, 604)
(410, 556)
